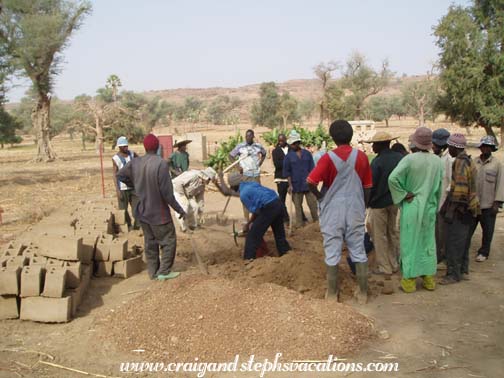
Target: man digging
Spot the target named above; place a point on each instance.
(150, 177)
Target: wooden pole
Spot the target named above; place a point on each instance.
(101, 169)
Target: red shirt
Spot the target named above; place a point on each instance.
(326, 172)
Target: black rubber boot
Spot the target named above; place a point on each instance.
(362, 279)
(332, 282)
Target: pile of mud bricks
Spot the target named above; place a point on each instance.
(44, 274)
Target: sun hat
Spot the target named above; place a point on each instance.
(234, 179)
(422, 138)
(209, 173)
(440, 137)
(122, 141)
(488, 140)
(457, 140)
(294, 137)
(380, 136)
(181, 143)
(151, 142)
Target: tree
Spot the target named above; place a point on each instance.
(113, 83)
(8, 127)
(288, 109)
(193, 108)
(306, 109)
(334, 103)
(34, 33)
(264, 112)
(471, 40)
(420, 98)
(223, 111)
(380, 108)
(363, 81)
(324, 72)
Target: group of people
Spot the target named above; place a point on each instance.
(439, 198)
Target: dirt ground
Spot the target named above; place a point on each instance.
(455, 331)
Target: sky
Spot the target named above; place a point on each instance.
(166, 44)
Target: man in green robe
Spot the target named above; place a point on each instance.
(179, 160)
(415, 185)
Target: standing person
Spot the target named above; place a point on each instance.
(296, 167)
(347, 181)
(267, 211)
(440, 148)
(383, 212)
(252, 155)
(415, 185)
(399, 147)
(490, 188)
(150, 177)
(278, 155)
(125, 194)
(179, 160)
(459, 209)
(189, 191)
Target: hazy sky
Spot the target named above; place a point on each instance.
(156, 44)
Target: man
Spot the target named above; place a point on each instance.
(347, 181)
(267, 211)
(460, 208)
(179, 160)
(278, 155)
(252, 155)
(296, 167)
(440, 148)
(383, 212)
(189, 191)
(490, 188)
(415, 185)
(150, 177)
(125, 194)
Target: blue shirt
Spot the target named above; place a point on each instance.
(298, 169)
(255, 196)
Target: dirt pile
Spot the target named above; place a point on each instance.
(214, 319)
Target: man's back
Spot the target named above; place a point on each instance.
(381, 166)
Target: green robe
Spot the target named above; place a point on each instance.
(179, 162)
(421, 174)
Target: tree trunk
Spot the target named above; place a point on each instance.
(99, 135)
(284, 118)
(421, 116)
(42, 125)
(502, 135)
(489, 130)
(321, 112)
(386, 122)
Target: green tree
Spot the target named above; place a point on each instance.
(223, 111)
(264, 112)
(380, 108)
(471, 40)
(113, 83)
(420, 98)
(288, 109)
(362, 81)
(306, 108)
(8, 127)
(34, 34)
(334, 102)
(324, 72)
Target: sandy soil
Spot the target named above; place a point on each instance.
(456, 331)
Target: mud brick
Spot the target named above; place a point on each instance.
(102, 252)
(118, 250)
(54, 285)
(62, 248)
(104, 268)
(9, 280)
(46, 310)
(121, 229)
(119, 217)
(87, 272)
(38, 260)
(76, 296)
(127, 268)
(88, 245)
(73, 276)
(32, 278)
(14, 249)
(9, 307)
(53, 263)
(19, 261)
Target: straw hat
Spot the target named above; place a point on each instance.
(181, 143)
(380, 136)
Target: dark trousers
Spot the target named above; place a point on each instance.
(270, 215)
(457, 249)
(283, 189)
(128, 197)
(155, 237)
(487, 221)
(440, 238)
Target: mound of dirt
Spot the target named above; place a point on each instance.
(215, 319)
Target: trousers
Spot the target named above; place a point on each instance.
(158, 237)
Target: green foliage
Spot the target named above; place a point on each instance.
(334, 103)
(306, 108)
(220, 159)
(362, 81)
(8, 127)
(308, 138)
(420, 99)
(382, 108)
(288, 109)
(472, 64)
(223, 111)
(264, 112)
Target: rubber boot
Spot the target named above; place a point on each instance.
(361, 270)
(332, 283)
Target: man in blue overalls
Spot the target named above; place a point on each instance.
(347, 181)
(125, 194)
